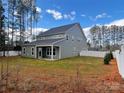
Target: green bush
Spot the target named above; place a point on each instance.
(107, 58)
(111, 55)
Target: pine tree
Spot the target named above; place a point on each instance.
(2, 32)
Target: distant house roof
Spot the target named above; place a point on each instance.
(57, 30)
(43, 42)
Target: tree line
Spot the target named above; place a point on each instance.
(103, 36)
(17, 20)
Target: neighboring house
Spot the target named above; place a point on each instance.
(57, 43)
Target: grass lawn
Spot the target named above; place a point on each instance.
(69, 66)
(91, 71)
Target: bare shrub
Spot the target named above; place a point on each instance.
(4, 76)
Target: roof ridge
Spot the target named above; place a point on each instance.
(57, 30)
(64, 25)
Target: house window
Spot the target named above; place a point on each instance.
(40, 53)
(66, 37)
(32, 51)
(79, 39)
(49, 51)
(23, 50)
(54, 51)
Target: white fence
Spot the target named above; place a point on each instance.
(120, 61)
(93, 53)
(10, 53)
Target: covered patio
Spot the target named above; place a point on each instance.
(48, 52)
(44, 49)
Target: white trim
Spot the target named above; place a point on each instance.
(59, 52)
(35, 48)
(42, 45)
(39, 50)
(58, 41)
(45, 45)
(52, 52)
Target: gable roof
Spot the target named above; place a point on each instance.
(57, 30)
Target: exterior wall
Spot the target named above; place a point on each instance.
(28, 52)
(75, 43)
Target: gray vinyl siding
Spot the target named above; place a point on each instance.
(72, 46)
(28, 51)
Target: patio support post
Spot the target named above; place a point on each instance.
(52, 52)
(35, 51)
(59, 52)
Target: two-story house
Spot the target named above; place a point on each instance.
(57, 43)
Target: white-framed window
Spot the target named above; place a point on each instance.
(24, 50)
(79, 39)
(54, 51)
(67, 37)
(32, 51)
(48, 51)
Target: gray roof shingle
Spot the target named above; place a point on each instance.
(57, 30)
(42, 42)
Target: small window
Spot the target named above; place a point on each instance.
(79, 39)
(49, 51)
(39, 53)
(32, 51)
(66, 37)
(54, 51)
(23, 50)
